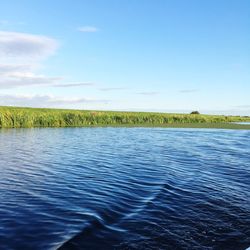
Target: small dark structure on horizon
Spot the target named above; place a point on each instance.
(195, 113)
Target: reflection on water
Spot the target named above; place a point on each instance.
(124, 188)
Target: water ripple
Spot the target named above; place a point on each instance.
(124, 188)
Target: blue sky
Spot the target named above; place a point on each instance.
(150, 55)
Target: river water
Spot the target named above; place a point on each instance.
(124, 188)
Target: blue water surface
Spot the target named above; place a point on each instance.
(124, 188)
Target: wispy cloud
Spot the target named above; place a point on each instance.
(26, 79)
(18, 75)
(44, 100)
(186, 91)
(6, 69)
(78, 84)
(88, 29)
(149, 93)
(111, 89)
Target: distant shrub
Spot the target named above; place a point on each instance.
(195, 113)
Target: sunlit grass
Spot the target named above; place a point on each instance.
(15, 117)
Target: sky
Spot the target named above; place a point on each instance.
(135, 55)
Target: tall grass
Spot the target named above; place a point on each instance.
(15, 117)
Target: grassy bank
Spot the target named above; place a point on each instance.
(15, 117)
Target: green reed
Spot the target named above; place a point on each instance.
(17, 117)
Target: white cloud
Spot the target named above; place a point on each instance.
(87, 29)
(16, 48)
(44, 100)
(26, 46)
(21, 56)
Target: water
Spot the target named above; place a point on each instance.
(124, 188)
(242, 123)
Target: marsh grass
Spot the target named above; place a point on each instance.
(18, 117)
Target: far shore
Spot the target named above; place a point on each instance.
(21, 117)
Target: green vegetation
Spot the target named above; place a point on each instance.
(15, 117)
